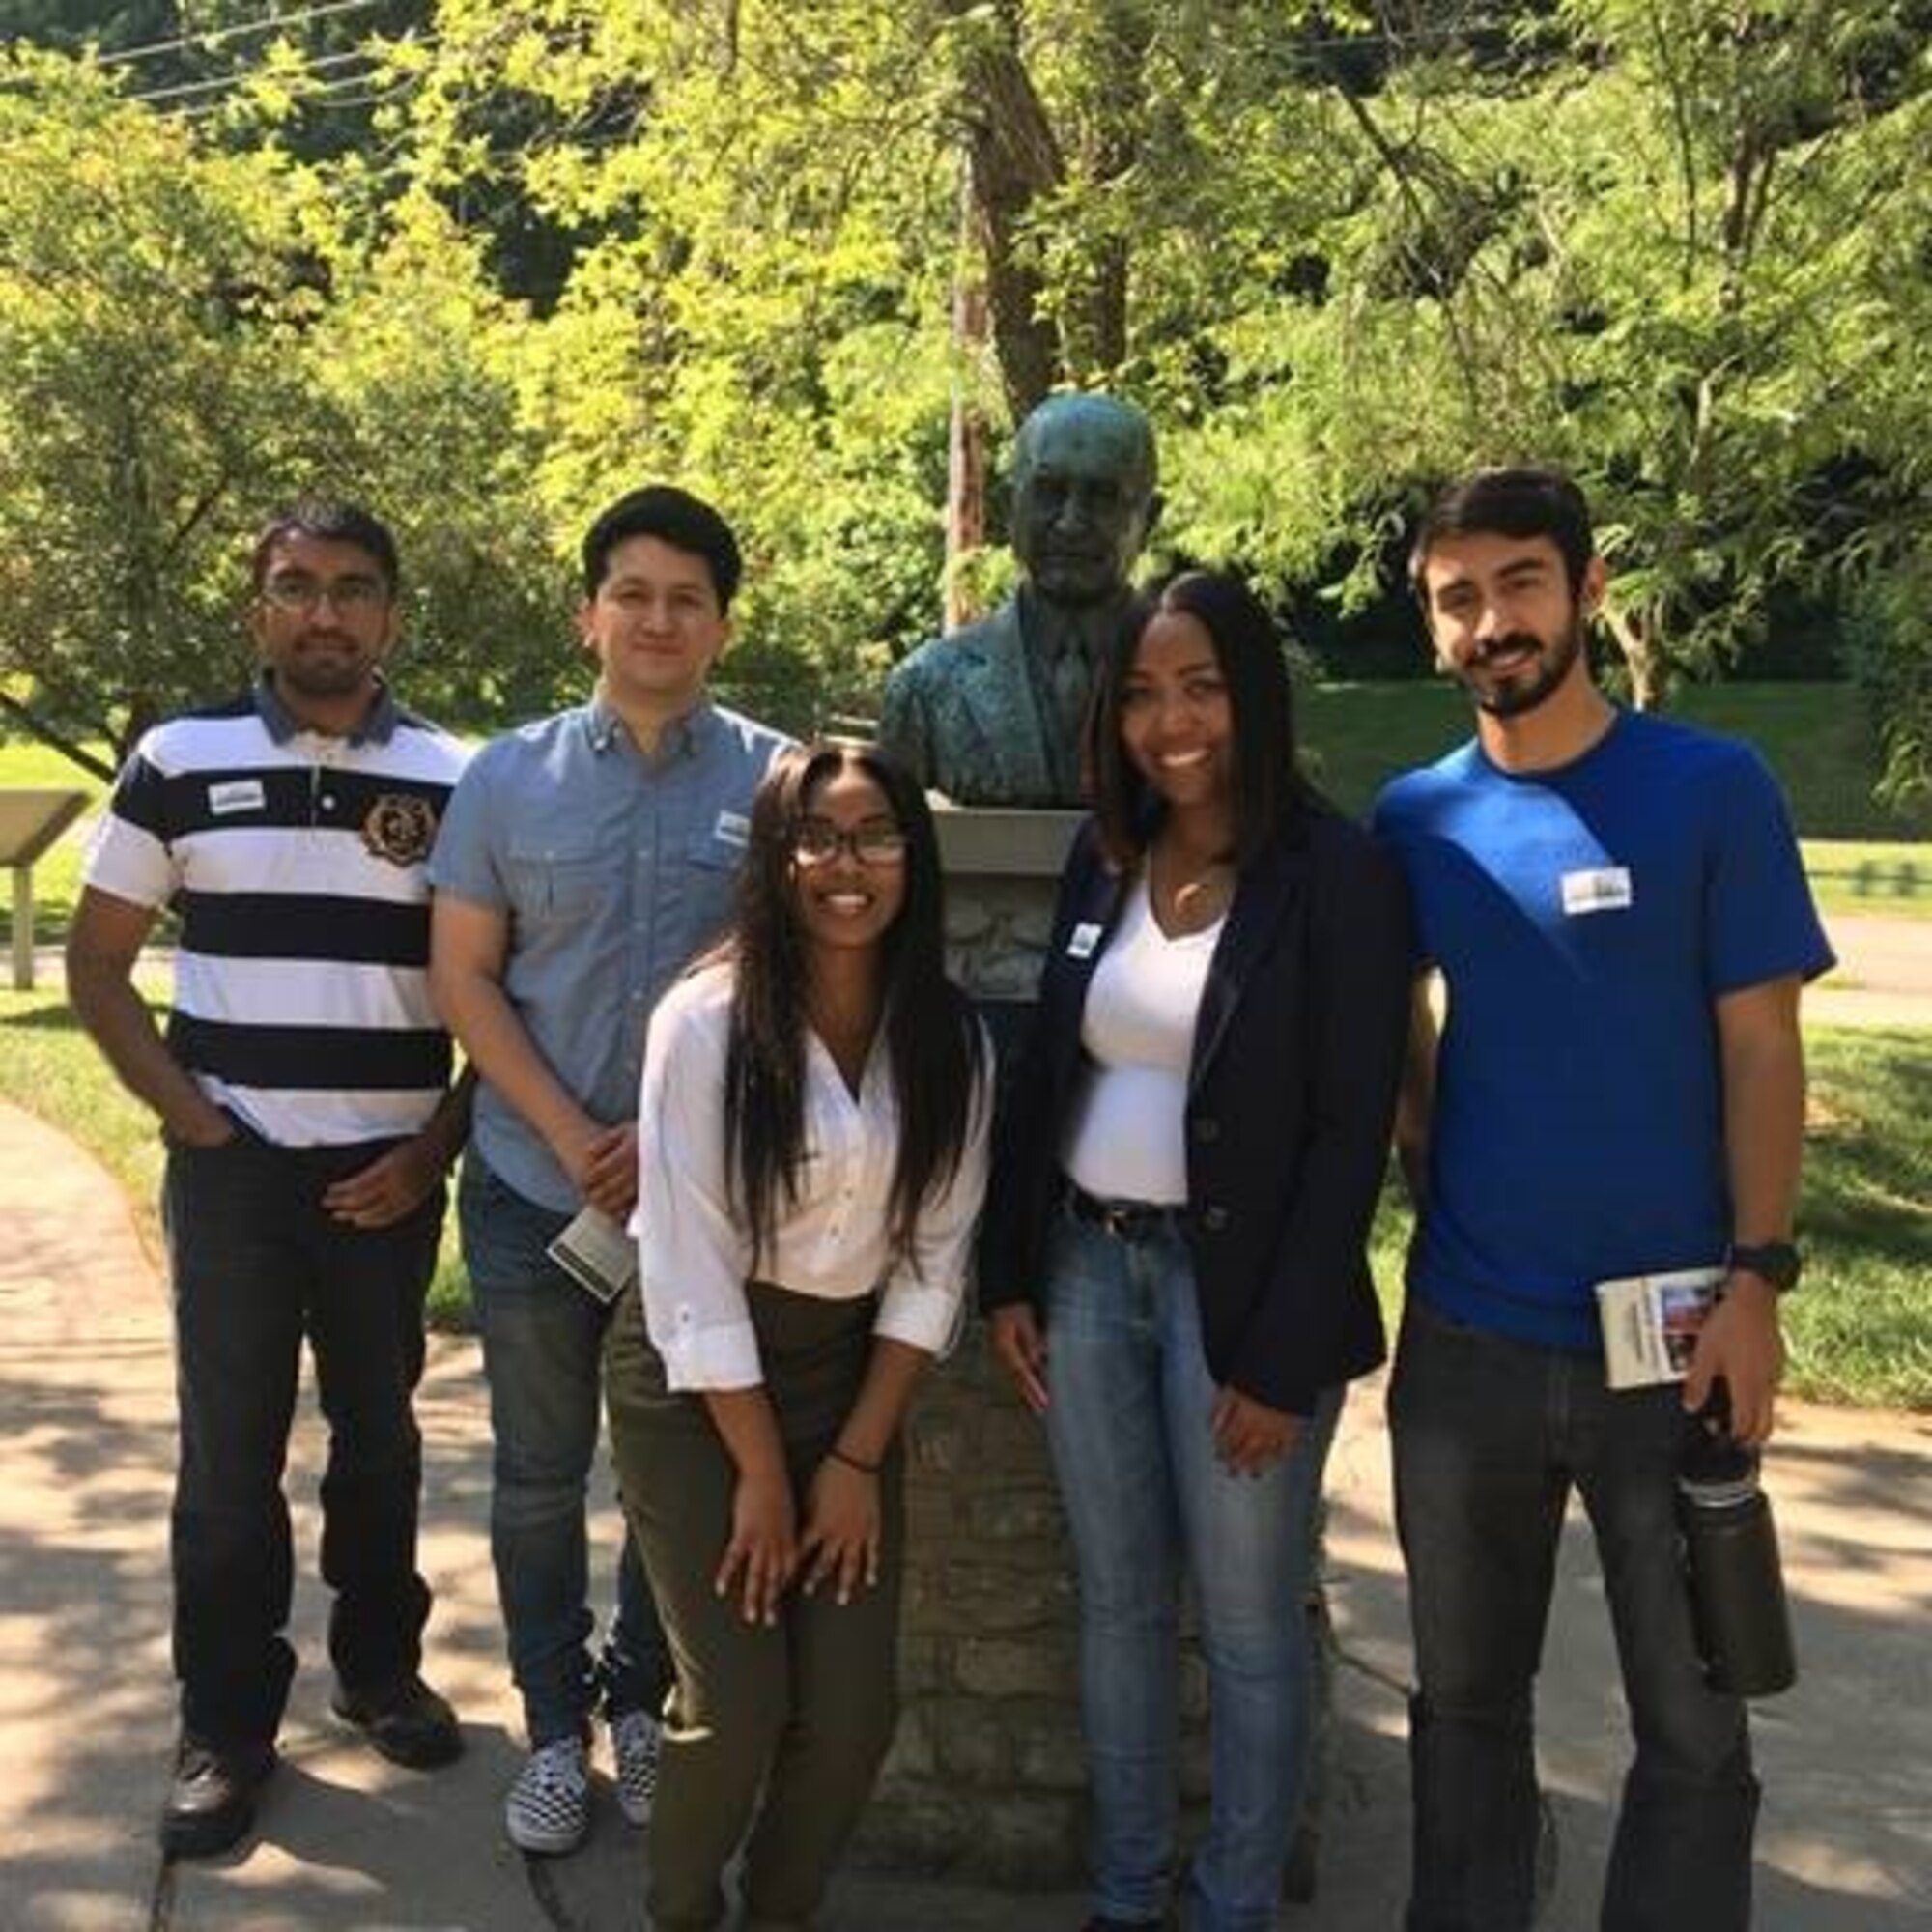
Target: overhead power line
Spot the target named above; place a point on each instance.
(330, 93)
(279, 23)
(220, 82)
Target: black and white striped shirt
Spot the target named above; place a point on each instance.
(296, 863)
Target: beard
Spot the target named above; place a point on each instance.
(332, 667)
(1535, 682)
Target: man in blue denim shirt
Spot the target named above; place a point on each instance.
(583, 860)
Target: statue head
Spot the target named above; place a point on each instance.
(1083, 497)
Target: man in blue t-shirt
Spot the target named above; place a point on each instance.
(1620, 920)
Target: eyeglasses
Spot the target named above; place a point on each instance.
(818, 841)
(351, 595)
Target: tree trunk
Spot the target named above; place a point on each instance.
(1643, 663)
(71, 749)
(1012, 158)
(966, 436)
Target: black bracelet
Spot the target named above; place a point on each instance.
(838, 1455)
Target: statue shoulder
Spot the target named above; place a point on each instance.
(974, 639)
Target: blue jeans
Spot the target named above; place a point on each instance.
(1489, 1434)
(258, 1265)
(1128, 1422)
(543, 1341)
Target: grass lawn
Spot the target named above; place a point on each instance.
(1859, 1329)
(1850, 876)
(48, 1066)
(1860, 1324)
(57, 876)
(1860, 858)
(1812, 735)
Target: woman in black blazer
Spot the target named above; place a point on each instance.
(1188, 1160)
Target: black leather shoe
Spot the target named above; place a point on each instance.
(407, 1722)
(212, 1803)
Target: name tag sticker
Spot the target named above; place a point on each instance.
(235, 795)
(733, 827)
(1085, 937)
(1600, 888)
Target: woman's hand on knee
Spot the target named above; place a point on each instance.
(840, 1540)
(763, 1551)
(1248, 1435)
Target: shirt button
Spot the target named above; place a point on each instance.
(328, 802)
(1214, 1218)
(1208, 1130)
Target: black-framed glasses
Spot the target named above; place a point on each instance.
(351, 595)
(876, 842)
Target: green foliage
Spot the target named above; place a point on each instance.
(1889, 649)
(191, 338)
(1338, 252)
(1693, 271)
(149, 300)
(1815, 738)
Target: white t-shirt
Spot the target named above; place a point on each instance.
(693, 1251)
(1126, 1136)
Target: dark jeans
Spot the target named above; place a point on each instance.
(259, 1264)
(1489, 1434)
(543, 1349)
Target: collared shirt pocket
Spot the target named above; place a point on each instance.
(554, 878)
(713, 858)
(718, 843)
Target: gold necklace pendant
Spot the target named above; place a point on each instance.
(1192, 904)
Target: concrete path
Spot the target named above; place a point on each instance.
(348, 1844)
(1884, 975)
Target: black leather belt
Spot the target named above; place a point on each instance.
(1124, 1220)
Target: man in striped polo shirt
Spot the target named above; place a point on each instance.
(303, 1087)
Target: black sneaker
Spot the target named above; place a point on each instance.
(407, 1722)
(212, 1802)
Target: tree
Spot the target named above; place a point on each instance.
(191, 338)
(149, 299)
(1674, 264)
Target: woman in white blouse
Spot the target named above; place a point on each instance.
(812, 1155)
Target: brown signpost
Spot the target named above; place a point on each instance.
(30, 821)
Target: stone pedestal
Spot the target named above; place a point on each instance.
(987, 1777)
(1002, 871)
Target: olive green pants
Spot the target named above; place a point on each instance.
(802, 1710)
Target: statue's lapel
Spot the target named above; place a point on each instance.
(999, 693)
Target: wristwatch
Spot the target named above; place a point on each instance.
(1778, 1263)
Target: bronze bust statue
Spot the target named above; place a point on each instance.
(991, 713)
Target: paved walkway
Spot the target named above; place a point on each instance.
(1884, 975)
(348, 1844)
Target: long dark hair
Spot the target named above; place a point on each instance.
(1269, 788)
(931, 1037)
